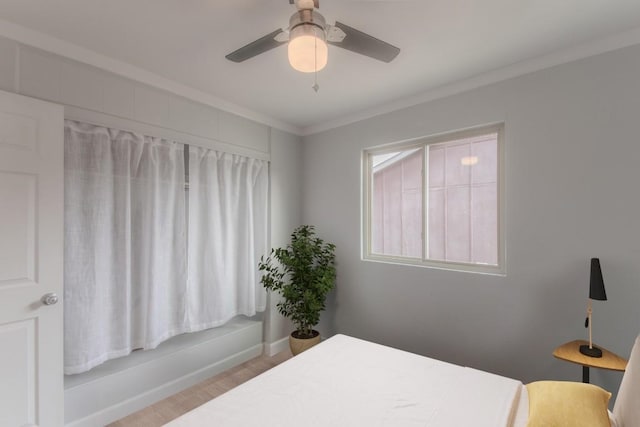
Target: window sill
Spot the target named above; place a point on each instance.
(490, 270)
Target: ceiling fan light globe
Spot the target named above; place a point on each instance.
(308, 50)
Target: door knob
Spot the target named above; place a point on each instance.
(49, 299)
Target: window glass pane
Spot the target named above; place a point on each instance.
(436, 166)
(377, 235)
(463, 200)
(485, 157)
(458, 242)
(392, 209)
(436, 224)
(396, 214)
(457, 172)
(484, 224)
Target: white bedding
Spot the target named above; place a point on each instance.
(349, 382)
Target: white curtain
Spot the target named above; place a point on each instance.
(138, 268)
(227, 236)
(125, 243)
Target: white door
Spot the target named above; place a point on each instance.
(31, 226)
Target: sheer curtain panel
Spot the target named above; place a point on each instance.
(227, 236)
(125, 243)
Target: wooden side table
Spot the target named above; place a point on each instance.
(571, 353)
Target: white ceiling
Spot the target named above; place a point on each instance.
(442, 41)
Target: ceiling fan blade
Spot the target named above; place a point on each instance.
(256, 47)
(364, 44)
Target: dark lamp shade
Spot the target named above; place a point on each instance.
(596, 284)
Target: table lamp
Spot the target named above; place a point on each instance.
(596, 291)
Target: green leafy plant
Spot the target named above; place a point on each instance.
(303, 273)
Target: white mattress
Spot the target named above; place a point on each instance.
(349, 382)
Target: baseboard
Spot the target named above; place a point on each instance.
(271, 349)
(105, 399)
(132, 405)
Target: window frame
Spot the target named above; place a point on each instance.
(424, 143)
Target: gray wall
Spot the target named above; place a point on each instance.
(286, 213)
(572, 175)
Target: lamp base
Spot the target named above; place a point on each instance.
(591, 352)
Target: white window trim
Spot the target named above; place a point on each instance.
(423, 142)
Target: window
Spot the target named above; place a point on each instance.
(437, 201)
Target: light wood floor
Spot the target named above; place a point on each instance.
(174, 406)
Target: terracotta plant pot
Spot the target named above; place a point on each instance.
(298, 345)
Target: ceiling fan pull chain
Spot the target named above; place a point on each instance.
(315, 66)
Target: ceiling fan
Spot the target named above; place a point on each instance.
(308, 35)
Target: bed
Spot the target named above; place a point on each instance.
(346, 381)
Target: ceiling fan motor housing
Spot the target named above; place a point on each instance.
(307, 17)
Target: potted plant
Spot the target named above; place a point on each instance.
(303, 273)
